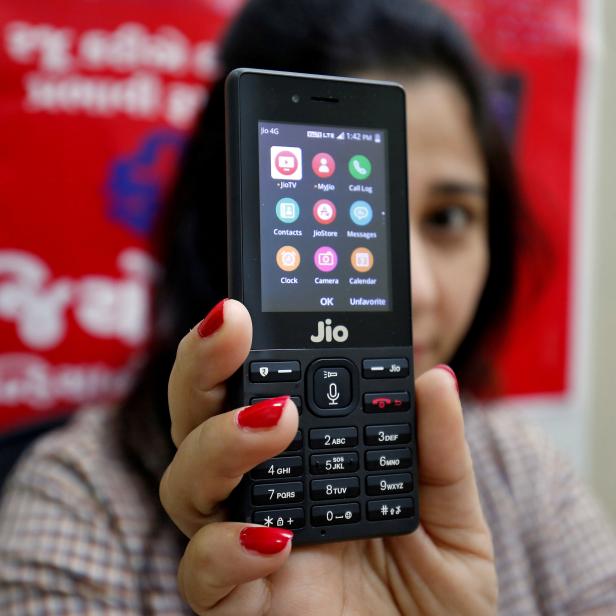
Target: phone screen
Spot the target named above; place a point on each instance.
(324, 218)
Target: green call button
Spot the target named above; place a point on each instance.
(360, 167)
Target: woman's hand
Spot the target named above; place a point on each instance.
(446, 567)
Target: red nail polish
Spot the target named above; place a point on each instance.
(264, 539)
(264, 414)
(213, 320)
(446, 368)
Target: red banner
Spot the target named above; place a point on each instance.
(96, 99)
(536, 47)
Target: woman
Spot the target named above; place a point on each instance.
(503, 523)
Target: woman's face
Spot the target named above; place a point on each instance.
(448, 217)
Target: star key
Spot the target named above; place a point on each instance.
(281, 518)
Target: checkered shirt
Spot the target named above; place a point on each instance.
(79, 534)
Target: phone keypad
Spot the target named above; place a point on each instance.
(361, 470)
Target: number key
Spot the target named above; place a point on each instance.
(377, 485)
(331, 463)
(279, 468)
(277, 493)
(333, 438)
(387, 435)
(388, 459)
(326, 515)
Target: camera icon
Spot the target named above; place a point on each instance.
(325, 259)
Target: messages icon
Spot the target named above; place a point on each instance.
(361, 213)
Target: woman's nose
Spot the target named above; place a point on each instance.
(423, 283)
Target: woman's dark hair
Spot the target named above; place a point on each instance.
(341, 37)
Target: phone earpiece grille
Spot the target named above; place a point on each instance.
(324, 99)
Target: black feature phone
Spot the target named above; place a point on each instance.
(319, 254)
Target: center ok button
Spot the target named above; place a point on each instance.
(332, 388)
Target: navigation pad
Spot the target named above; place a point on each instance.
(332, 387)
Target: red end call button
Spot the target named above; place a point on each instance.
(387, 402)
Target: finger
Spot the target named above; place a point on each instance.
(452, 527)
(449, 499)
(207, 356)
(212, 459)
(220, 557)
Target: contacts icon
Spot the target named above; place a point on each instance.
(287, 210)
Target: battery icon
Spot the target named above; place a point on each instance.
(377, 138)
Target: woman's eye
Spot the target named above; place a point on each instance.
(449, 219)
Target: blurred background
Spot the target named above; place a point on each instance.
(96, 101)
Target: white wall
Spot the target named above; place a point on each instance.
(602, 442)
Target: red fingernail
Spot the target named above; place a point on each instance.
(446, 368)
(213, 320)
(264, 414)
(264, 539)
